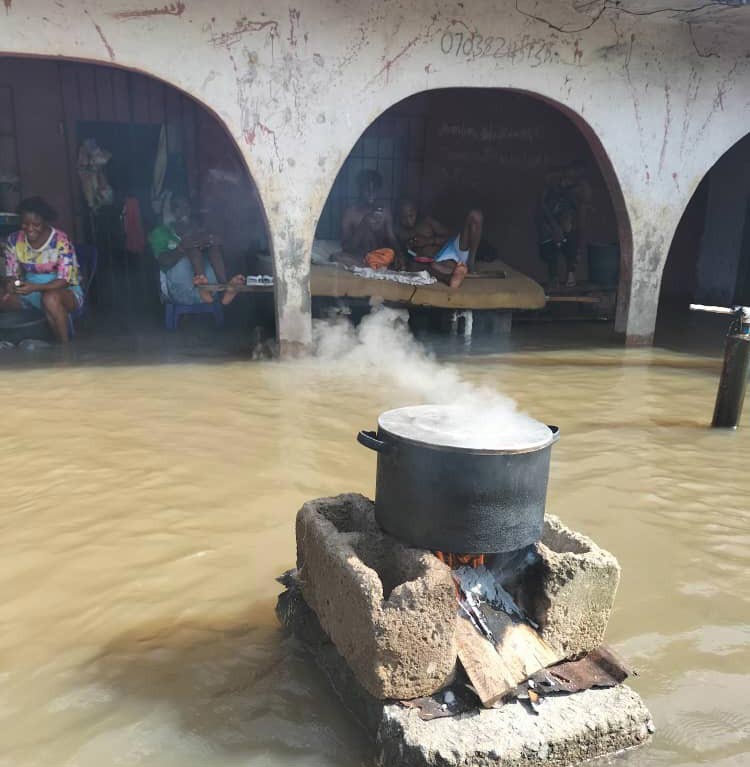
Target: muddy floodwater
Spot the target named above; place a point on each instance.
(148, 507)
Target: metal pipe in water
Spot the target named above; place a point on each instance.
(734, 373)
(733, 383)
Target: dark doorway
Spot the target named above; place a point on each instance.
(125, 281)
(139, 123)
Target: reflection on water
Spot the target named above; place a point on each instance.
(147, 510)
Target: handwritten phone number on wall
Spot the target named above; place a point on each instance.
(475, 46)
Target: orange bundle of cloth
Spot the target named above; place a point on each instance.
(460, 560)
(381, 258)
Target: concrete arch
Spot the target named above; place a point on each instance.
(209, 108)
(710, 237)
(252, 173)
(587, 131)
(295, 91)
(172, 84)
(658, 226)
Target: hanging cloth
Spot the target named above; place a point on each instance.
(135, 239)
(91, 161)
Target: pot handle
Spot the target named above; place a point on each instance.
(555, 433)
(368, 439)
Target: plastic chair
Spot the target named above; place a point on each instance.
(88, 259)
(173, 311)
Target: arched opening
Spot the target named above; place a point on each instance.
(502, 152)
(61, 122)
(709, 257)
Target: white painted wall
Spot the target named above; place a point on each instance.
(296, 86)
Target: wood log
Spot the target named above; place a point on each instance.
(495, 670)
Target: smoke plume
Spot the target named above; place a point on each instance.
(383, 347)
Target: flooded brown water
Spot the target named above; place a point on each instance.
(147, 510)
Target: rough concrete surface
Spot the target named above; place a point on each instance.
(568, 729)
(389, 609)
(282, 79)
(570, 591)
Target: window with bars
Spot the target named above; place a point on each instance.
(392, 145)
(10, 185)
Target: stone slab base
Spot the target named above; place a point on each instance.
(568, 729)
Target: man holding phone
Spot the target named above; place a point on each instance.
(190, 258)
(367, 235)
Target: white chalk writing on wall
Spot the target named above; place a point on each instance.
(491, 133)
(465, 143)
(462, 161)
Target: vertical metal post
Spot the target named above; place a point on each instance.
(734, 373)
(733, 383)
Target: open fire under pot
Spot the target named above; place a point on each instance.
(449, 483)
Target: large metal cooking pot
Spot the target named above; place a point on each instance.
(455, 491)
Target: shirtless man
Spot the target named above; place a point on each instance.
(367, 228)
(445, 254)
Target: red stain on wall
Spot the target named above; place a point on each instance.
(294, 15)
(227, 39)
(109, 48)
(577, 53)
(250, 134)
(102, 37)
(388, 63)
(7, 4)
(171, 9)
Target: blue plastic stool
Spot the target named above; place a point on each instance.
(173, 312)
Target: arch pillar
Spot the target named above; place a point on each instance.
(292, 245)
(638, 296)
(291, 228)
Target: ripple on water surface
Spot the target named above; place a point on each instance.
(145, 518)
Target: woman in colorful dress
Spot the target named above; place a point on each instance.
(41, 268)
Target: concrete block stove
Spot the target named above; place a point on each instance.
(382, 621)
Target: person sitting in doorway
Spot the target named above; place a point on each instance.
(41, 268)
(191, 257)
(446, 255)
(367, 236)
(561, 221)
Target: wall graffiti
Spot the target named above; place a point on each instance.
(491, 133)
(170, 9)
(523, 49)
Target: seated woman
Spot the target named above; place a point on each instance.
(190, 257)
(41, 268)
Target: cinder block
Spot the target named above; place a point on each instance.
(570, 589)
(390, 610)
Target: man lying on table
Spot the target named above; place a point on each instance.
(432, 246)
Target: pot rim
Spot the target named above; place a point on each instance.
(466, 450)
